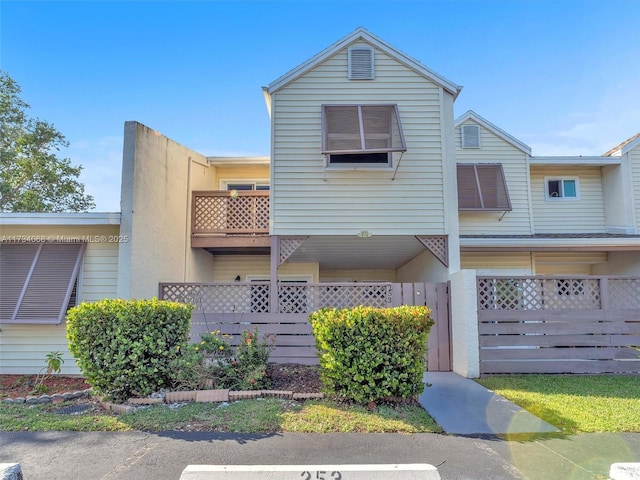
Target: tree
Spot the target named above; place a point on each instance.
(32, 177)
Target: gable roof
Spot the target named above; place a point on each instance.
(471, 115)
(362, 34)
(624, 147)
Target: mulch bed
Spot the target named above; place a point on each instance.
(293, 377)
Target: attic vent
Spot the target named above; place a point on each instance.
(361, 63)
(470, 136)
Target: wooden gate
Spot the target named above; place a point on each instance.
(436, 297)
(235, 307)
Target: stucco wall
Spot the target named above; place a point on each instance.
(158, 176)
(423, 268)
(464, 324)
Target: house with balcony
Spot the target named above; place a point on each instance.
(374, 193)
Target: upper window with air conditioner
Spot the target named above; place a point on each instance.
(470, 136)
(561, 189)
(482, 186)
(361, 63)
(361, 135)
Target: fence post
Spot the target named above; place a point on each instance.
(465, 344)
(274, 299)
(604, 293)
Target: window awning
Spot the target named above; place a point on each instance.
(37, 280)
(352, 129)
(482, 186)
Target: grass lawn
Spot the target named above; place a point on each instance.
(246, 416)
(575, 403)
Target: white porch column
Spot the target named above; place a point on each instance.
(464, 324)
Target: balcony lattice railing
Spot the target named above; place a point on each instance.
(222, 212)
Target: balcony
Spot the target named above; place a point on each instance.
(224, 222)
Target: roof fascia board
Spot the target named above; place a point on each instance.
(630, 146)
(594, 161)
(362, 34)
(567, 244)
(64, 218)
(624, 146)
(238, 161)
(471, 115)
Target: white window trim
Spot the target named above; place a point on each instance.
(225, 182)
(374, 167)
(548, 198)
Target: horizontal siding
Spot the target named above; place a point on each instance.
(226, 268)
(564, 269)
(494, 149)
(99, 272)
(248, 173)
(309, 200)
(634, 160)
(558, 258)
(496, 261)
(582, 216)
(23, 348)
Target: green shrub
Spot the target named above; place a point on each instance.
(125, 347)
(214, 363)
(369, 354)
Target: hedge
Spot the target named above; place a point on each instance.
(125, 347)
(370, 354)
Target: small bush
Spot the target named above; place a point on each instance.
(369, 354)
(213, 363)
(125, 347)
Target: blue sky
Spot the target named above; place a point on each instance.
(562, 76)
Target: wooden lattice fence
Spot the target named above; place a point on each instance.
(559, 324)
(235, 307)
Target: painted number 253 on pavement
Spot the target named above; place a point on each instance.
(321, 475)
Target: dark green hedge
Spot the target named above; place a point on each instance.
(369, 354)
(125, 347)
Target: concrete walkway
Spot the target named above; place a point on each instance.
(464, 407)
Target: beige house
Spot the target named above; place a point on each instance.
(373, 193)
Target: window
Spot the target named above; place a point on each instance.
(246, 186)
(470, 136)
(38, 281)
(361, 63)
(482, 186)
(558, 189)
(361, 135)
